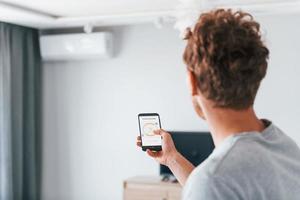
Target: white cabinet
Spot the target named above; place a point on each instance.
(150, 188)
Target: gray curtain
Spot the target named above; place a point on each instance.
(19, 113)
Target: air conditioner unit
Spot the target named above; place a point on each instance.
(79, 46)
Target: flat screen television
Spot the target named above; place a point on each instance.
(195, 146)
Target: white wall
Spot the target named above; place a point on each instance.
(90, 108)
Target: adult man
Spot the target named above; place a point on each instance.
(253, 159)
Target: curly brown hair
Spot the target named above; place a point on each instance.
(225, 52)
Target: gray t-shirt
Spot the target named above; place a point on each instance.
(249, 165)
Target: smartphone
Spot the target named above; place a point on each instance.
(148, 122)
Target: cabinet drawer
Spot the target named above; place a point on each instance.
(144, 194)
(174, 195)
(150, 188)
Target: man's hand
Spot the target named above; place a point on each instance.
(168, 152)
(170, 157)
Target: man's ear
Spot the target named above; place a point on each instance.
(192, 82)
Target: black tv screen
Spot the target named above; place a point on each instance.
(195, 146)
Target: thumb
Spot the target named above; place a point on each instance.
(161, 132)
(157, 132)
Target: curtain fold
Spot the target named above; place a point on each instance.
(20, 117)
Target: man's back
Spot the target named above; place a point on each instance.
(249, 165)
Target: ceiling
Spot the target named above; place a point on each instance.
(80, 8)
(48, 14)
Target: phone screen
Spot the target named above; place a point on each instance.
(149, 123)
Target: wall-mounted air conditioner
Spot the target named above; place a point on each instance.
(77, 46)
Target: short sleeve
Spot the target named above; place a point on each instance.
(205, 187)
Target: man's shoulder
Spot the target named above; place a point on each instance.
(224, 170)
(204, 183)
(243, 160)
(231, 157)
(244, 152)
(221, 167)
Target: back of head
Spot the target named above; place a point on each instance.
(225, 52)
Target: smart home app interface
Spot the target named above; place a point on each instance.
(147, 125)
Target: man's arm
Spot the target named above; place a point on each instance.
(170, 157)
(181, 168)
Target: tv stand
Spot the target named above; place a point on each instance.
(151, 188)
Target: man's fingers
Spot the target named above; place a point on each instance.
(152, 154)
(138, 143)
